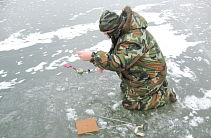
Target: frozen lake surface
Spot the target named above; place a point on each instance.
(39, 97)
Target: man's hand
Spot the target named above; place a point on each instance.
(84, 55)
(99, 70)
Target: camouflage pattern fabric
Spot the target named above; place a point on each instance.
(131, 101)
(139, 62)
(108, 21)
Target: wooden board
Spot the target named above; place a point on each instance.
(86, 126)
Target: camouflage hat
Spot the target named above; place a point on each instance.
(108, 21)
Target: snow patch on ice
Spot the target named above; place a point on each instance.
(196, 103)
(19, 40)
(176, 71)
(111, 94)
(190, 136)
(123, 131)
(196, 121)
(206, 61)
(116, 105)
(140, 8)
(3, 73)
(186, 118)
(186, 5)
(71, 114)
(58, 52)
(7, 85)
(38, 67)
(168, 48)
(104, 45)
(90, 111)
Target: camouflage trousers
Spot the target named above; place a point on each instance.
(135, 102)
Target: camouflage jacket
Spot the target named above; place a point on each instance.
(136, 57)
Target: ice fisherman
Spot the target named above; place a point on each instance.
(137, 59)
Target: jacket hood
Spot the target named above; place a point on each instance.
(134, 20)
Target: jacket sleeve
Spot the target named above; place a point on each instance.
(124, 58)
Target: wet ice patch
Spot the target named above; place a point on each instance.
(8, 117)
(71, 114)
(196, 103)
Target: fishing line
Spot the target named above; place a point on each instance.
(144, 126)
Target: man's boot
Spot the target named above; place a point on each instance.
(172, 96)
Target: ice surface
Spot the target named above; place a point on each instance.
(197, 103)
(49, 98)
(38, 67)
(10, 84)
(71, 114)
(90, 111)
